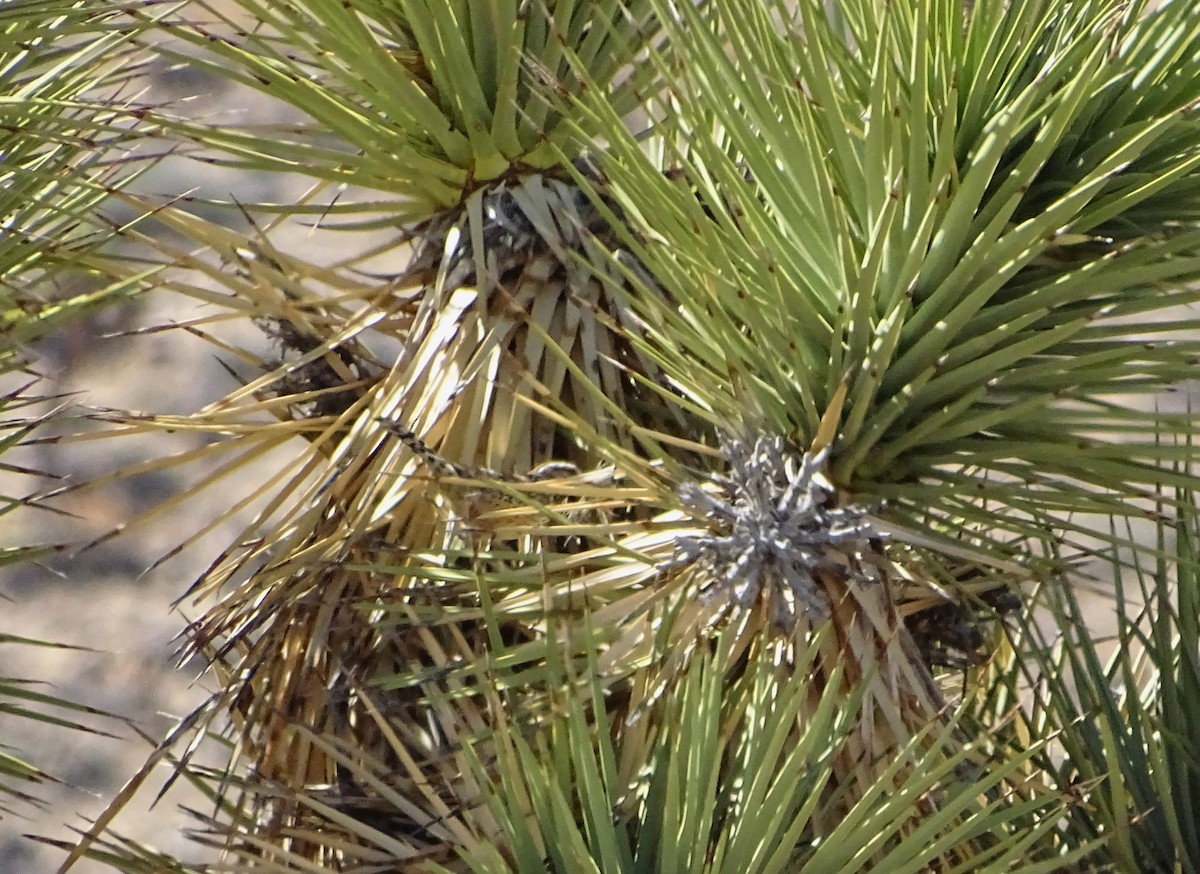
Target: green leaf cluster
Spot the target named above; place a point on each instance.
(980, 220)
(420, 101)
(956, 243)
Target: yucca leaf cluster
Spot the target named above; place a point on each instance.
(737, 342)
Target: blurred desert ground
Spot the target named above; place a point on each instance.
(103, 599)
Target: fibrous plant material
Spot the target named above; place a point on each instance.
(515, 371)
(951, 634)
(519, 327)
(320, 387)
(509, 332)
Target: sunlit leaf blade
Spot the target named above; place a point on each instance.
(30, 700)
(65, 69)
(1125, 708)
(421, 102)
(996, 280)
(741, 781)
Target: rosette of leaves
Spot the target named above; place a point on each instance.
(781, 327)
(439, 406)
(926, 269)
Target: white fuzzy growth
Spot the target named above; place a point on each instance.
(777, 525)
